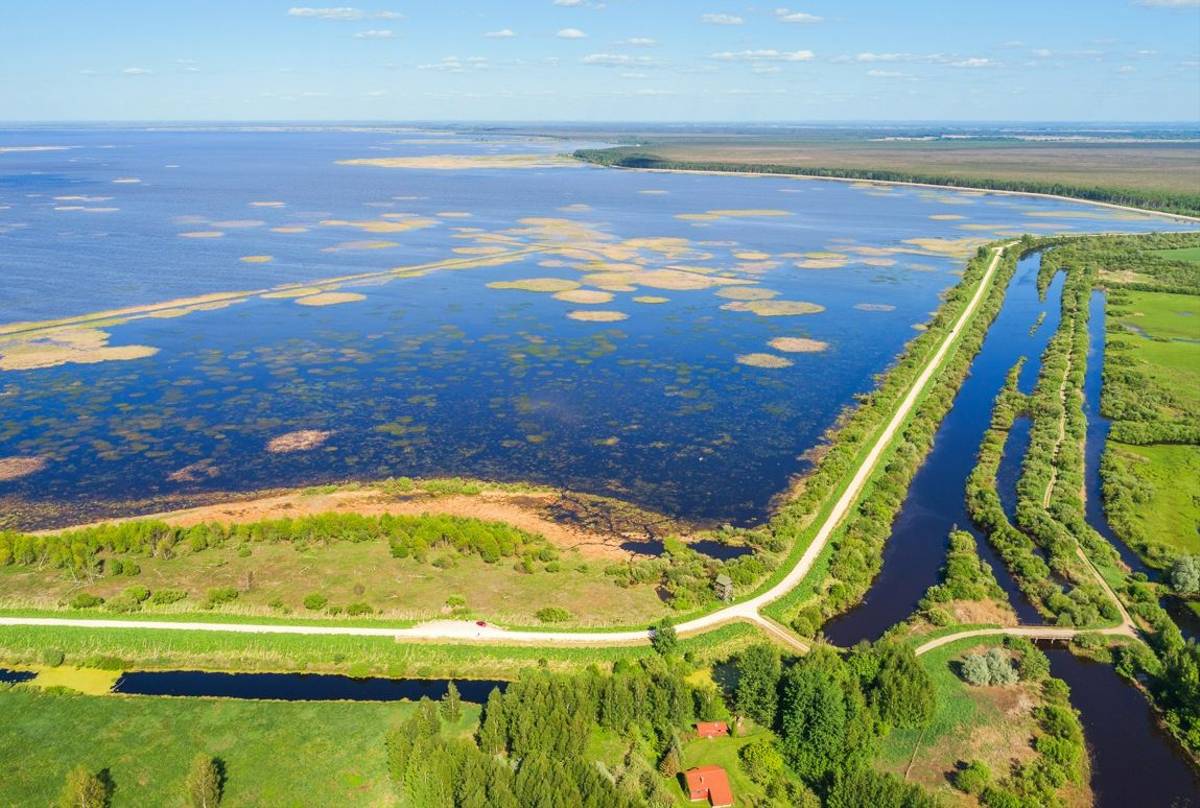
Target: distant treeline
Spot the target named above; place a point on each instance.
(1165, 201)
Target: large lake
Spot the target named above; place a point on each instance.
(643, 368)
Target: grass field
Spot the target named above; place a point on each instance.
(1182, 254)
(992, 724)
(274, 753)
(1165, 333)
(1170, 474)
(348, 572)
(723, 752)
(128, 649)
(1150, 167)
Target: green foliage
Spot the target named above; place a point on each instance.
(973, 778)
(991, 668)
(315, 602)
(203, 783)
(162, 597)
(964, 576)
(863, 787)
(1185, 575)
(219, 595)
(553, 614)
(451, 704)
(663, 637)
(758, 673)
(83, 789)
(902, 691)
(762, 761)
(85, 601)
(53, 657)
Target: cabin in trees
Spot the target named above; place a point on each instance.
(711, 729)
(710, 783)
(723, 586)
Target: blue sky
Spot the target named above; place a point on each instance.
(649, 60)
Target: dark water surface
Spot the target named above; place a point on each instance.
(14, 677)
(935, 503)
(441, 373)
(298, 686)
(1134, 763)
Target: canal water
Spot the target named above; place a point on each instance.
(1134, 763)
(298, 686)
(15, 677)
(936, 504)
(1097, 434)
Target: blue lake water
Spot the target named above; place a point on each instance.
(434, 371)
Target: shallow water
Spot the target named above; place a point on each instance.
(936, 500)
(1133, 761)
(443, 374)
(15, 677)
(298, 686)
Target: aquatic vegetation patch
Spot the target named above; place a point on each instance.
(536, 285)
(291, 228)
(650, 299)
(298, 291)
(822, 263)
(458, 162)
(798, 345)
(479, 250)
(874, 307)
(598, 316)
(256, 259)
(13, 468)
(202, 234)
(270, 203)
(764, 360)
(194, 472)
(946, 217)
(298, 441)
(126, 181)
(383, 225)
(84, 346)
(673, 279)
(239, 224)
(584, 296)
(330, 298)
(747, 293)
(362, 245)
(454, 214)
(751, 255)
(956, 247)
(878, 262)
(774, 308)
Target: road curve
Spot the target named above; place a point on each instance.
(748, 610)
(1033, 632)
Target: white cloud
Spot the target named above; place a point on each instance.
(787, 15)
(639, 42)
(633, 75)
(1170, 3)
(763, 55)
(973, 62)
(503, 33)
(341, 13)
(721, 19)
(887, 74)
(568, 2)
(615, 60)
(137, 71)
(454, 64)
(1043, 53)
(886, 57)
(571, 33)
(374, 34)
(87, 71)
(1127, 69)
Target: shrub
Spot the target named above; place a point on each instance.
(553, 614)
(86, 601)
(53, 657)
(356, 609)
(1185, 575)
(136, 593)
(973, 778)
(131, 569)
(664, 639)
(165, 596)
(992, 668)
(219, 595)
(123, 604)
(315, 601)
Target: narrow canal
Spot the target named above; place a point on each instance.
(936, 503)
(298, 686)
(1134, 763)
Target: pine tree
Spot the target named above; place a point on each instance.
(83, 789)
(451, 704)
(204, 782)
(492, 731)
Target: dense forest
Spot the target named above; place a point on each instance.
(1166, 201)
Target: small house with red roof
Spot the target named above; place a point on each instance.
(711, 783)
(711, 729)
